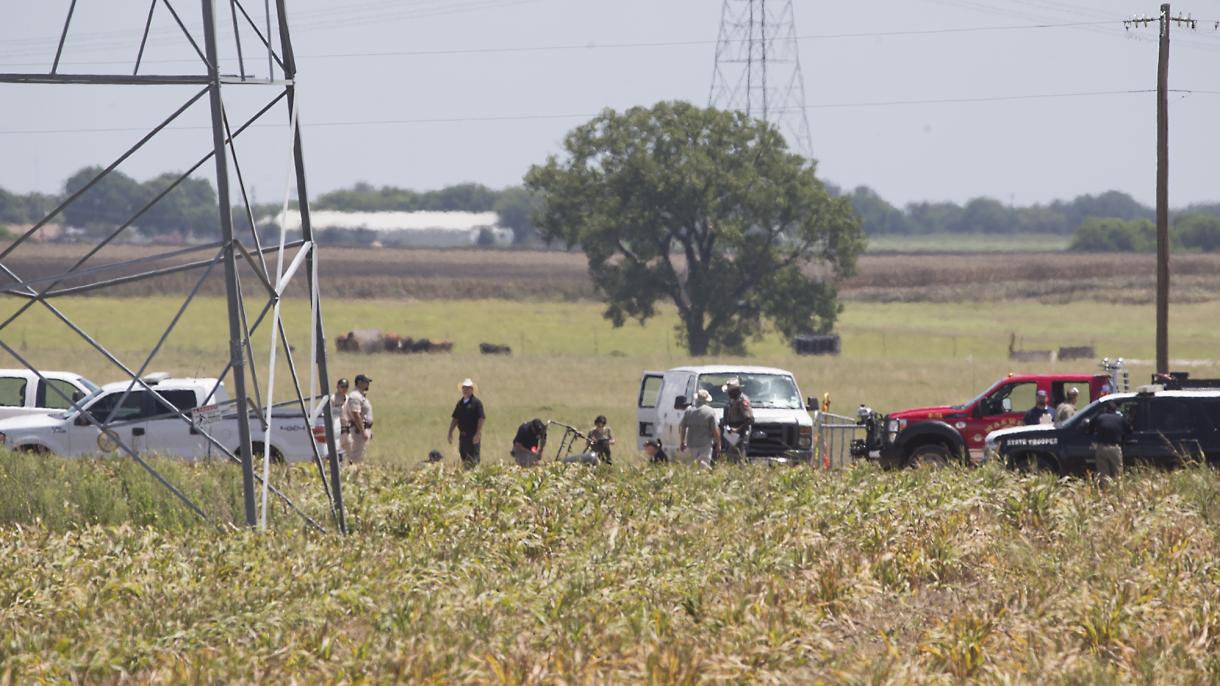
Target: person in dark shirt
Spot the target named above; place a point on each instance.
(655, 452)
(468, 419)
(529, 443)
(601, 438)
(1109, 428)
(1040, 413)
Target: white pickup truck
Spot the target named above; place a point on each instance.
(783, 428)
(147, 426)
(22, 392)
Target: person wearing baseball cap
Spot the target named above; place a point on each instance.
(359, 413)
(1067, 408)
(338, 403)
(699, 433)
(468, 419)
(1040, 413)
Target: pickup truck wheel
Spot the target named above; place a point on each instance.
(276, 456)
(1033, 463)
(933, 455)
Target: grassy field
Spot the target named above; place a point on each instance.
(968, 243)
(571, 365)
(623, 574)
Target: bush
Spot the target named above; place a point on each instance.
(1198, 232)
(1115, 235)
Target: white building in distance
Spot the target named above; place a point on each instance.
(408, 229)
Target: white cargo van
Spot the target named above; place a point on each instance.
(783, 428)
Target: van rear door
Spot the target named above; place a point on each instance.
(647, 413)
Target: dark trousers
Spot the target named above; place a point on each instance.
(468, 450)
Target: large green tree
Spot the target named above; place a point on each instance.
(703, 208)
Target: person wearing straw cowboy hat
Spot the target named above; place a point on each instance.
(736, 421)
(468, 419)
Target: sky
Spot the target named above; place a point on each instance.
(1025, 101)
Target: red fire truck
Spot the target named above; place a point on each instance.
(957, 433)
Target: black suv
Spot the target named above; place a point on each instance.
(1164, 428)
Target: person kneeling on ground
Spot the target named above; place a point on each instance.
(601, 438)
(529, 443)
(655, 452)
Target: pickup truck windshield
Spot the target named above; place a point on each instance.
(775, 391)
(94, 392)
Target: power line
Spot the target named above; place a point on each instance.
(543, 117)
(563, 47)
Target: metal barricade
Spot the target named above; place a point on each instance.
(832, 438)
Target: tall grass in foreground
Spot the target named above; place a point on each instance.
(632, 574)
(58, 494)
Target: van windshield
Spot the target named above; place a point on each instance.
(776, 391)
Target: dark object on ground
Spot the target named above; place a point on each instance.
(435, 456)
(361, 340)
(495, 349)
(1077, 352)
(811, 344)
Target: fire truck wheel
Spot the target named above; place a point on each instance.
(932, 455)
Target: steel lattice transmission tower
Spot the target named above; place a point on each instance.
(758, 68)
(253, 301)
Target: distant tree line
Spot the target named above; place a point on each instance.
(1191, 230)
(990, 216)
(1109, 221)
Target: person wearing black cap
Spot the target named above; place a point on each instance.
(338, 409)
(359, 412)
(1040, 413)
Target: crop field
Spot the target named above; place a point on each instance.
(941, 272)
(628, 573)
(621, 575)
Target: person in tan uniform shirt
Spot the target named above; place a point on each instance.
(1067, 408)
(338, 409)
(359, 413)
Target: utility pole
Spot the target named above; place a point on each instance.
(1162, 197)
(758, 68)
(1164, 20)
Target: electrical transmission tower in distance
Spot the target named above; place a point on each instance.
(758, 68)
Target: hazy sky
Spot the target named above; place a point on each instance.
(477, 90)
